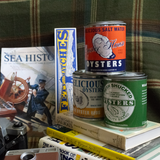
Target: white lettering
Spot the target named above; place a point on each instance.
(108, 63)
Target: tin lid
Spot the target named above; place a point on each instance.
(84, 74)
(127, 76)
(106, 23)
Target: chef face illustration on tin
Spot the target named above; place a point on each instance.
(102, 46)
(119, 102)
(80, 99)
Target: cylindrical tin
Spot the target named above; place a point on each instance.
(105, 47)
(125, 100)
(87, 96)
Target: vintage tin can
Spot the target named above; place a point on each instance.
(105, 47)
(87, 96)
(125, 100)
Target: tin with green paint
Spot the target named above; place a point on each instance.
(125, 100)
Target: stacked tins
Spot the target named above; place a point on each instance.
(104, 90)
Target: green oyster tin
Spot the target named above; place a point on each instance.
(125, 100)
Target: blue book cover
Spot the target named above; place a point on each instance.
(27, 91)
(28, 85)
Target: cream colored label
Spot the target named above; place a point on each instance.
(119, 102)
(87, 97)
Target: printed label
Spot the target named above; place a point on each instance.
(62, 44)
(105, 48)
(66, 64)
(87, 97)
(119, 102)
(124, 106)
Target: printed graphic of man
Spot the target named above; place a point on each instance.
(102, 46)
(36, 103)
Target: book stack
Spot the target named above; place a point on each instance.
(144, 151)
(123, 139)
(106, 142)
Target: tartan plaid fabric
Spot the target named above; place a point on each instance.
(32, 23)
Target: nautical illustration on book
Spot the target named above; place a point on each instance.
(28, 85)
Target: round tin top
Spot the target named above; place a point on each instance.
(127, 76)
(84, 74)
(106, 23)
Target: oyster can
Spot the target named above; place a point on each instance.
(87, 96)
(125, 100)
(105, 47)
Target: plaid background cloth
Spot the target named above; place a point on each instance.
(26, 23)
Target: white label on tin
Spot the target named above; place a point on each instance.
(119, 102)
(87, 93)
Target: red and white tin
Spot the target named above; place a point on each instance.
(105, 47)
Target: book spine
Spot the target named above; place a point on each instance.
(99, 150)
(67, 151)
(92, 131)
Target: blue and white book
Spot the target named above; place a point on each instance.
(68, 151)
(147, 151)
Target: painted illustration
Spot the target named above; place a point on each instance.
(36, 103)
(66, 64)
(28, 86)
(80, 99)
(102, 46)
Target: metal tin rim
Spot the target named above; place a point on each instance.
(125, 128)
(89, 120)
(83, 73)
(127, 76)
(106, 23)
(106, 73)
